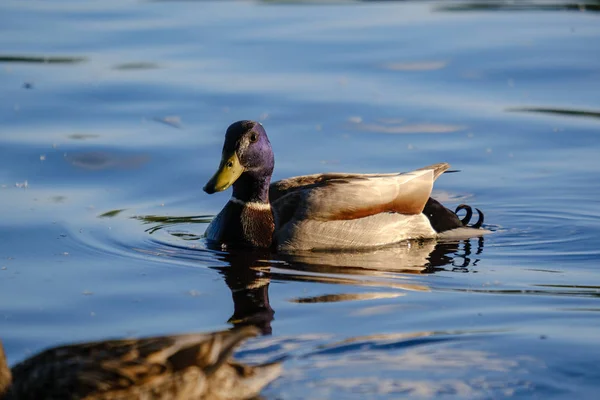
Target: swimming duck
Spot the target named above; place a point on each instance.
(193, 366)
(323, 211)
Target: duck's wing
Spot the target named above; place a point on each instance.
(122, 365)
(328, 197)
(299, 183)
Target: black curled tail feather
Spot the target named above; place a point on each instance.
(479, 220)
(465, 221)
(443, 219)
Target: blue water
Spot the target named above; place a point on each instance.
(112, 117)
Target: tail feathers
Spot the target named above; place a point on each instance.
(438, 169)
(443, 219)
(467, 218)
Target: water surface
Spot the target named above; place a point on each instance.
(112, 118)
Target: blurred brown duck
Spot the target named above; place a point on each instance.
(193, 366)
(323, 211)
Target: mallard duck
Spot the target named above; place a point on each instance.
(322, 211)
(190, 367)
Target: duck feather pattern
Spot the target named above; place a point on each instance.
(331, 211)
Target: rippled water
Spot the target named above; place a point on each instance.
(112, 118)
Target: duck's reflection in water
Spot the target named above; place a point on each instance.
(249, 272)
(248, 278)
(423, 257)
(457, 256)
(186, 366)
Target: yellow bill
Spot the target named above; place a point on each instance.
(229, 171)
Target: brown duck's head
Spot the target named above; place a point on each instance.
(246, 152)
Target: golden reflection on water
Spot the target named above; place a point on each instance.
(249, 272)
(336, 298)
(406, 257)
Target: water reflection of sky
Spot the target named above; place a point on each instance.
(114, 114)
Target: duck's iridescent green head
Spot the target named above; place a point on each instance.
(247, 156)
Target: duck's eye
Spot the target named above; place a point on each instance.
(230, 164)
(253, 137)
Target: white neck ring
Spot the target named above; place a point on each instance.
(255, 205)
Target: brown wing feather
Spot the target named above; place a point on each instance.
(286, 186)
(350, 196)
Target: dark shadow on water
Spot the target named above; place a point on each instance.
(248, 278)
(8, 58)
(111, 213)
(159, 222)
(588, 5)
(136, 66)
(518, 6)
(557, 111)
(97, 161)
